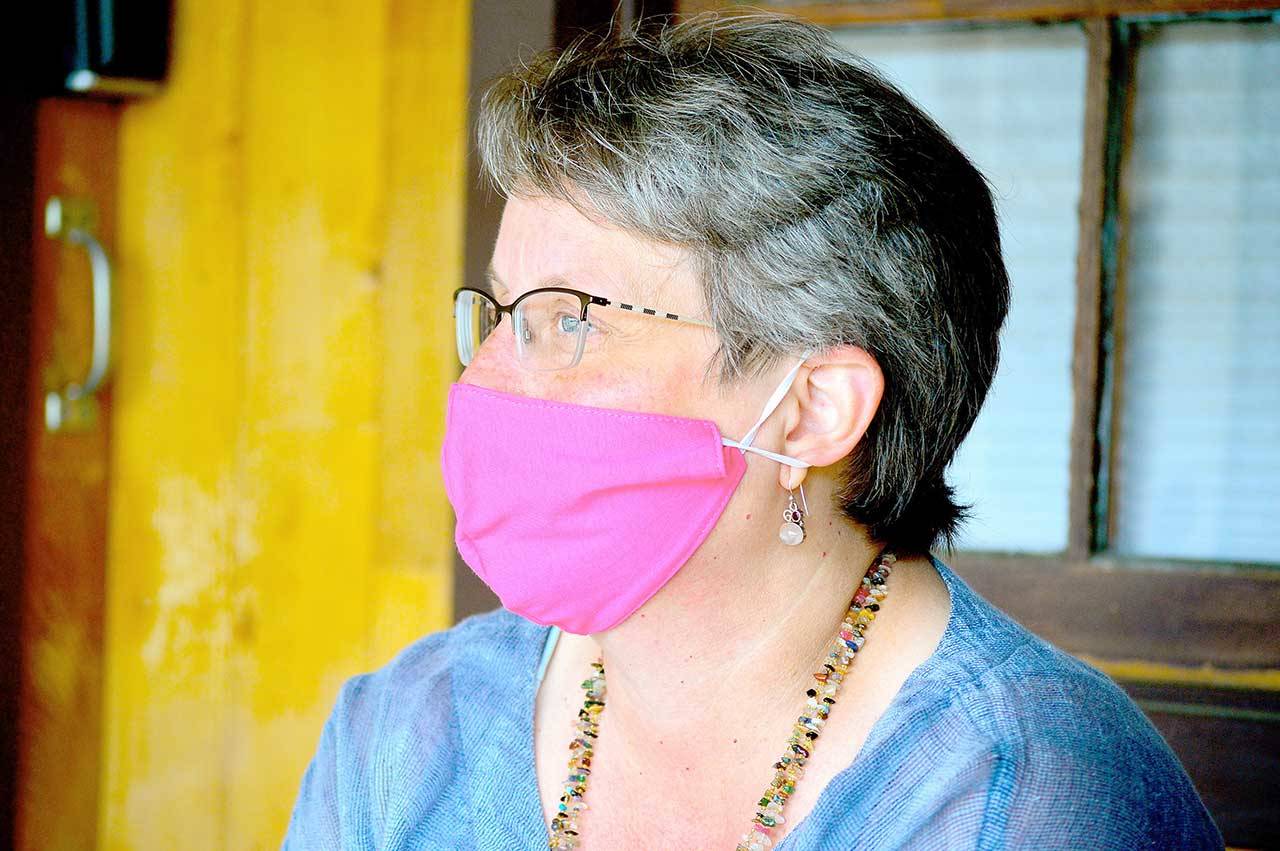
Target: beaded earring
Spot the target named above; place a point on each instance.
(792, 531)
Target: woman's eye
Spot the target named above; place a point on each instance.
(567, 323)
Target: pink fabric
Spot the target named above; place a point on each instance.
(576, 515)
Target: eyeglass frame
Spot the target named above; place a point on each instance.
(587, 300)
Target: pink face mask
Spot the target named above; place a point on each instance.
(576, 515)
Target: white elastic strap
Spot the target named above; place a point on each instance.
(774, 401)
(784, 459)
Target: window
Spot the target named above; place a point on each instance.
(1197, 466)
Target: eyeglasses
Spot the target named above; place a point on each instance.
(551, 324)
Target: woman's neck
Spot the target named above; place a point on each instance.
(719, 659)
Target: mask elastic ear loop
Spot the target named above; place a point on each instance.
(774, 400)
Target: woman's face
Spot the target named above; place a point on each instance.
(635, 362)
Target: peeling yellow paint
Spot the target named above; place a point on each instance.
(189, 620)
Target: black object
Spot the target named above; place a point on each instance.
(104, 48)
(572, 17)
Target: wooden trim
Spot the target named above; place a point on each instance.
(901, 11)
(1177, 699)
(1201, 677)
(1085, 354)
(1217, 620)
(1229, 743)
(17, 240)
(1110, 343)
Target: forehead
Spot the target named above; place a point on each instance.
(547, 242)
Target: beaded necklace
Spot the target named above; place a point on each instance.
(788, 769)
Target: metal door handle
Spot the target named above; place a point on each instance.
(75, 406)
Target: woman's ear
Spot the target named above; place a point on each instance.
(837, 394)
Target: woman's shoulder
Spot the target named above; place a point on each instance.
(1036, 741)
(431, 680)
(426, 713)
(497, 643)
(426, 678)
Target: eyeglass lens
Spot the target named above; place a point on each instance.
(547, 326)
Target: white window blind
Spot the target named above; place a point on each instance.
(1197, 469)
(1012, 98)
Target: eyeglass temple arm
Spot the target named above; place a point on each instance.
(649, 311)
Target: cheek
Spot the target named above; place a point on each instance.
(672, 386)
(669, 391)
(619, 389)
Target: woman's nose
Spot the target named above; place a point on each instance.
(494, 364)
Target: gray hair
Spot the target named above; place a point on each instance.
(819, 205)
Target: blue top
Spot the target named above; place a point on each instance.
(997, 740)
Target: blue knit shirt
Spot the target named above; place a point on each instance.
(997, 740)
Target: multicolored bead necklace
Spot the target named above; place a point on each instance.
(789, 769)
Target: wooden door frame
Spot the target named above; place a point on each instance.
(53, 534)
(17, 219)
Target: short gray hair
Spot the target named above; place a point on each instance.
(819, 204)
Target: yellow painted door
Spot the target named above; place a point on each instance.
(289, 225)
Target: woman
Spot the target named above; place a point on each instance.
(743, 306)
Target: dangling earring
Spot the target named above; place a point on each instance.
(792, 531)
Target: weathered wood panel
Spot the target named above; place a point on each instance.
(291, 220)
(60, 697)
